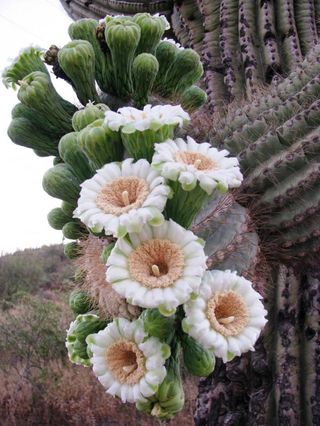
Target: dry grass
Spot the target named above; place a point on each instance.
(68, 395)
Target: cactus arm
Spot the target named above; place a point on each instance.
(180, 27)
(298, 211)
(281, 335)
(192, 20)
(229, 47)
(306, 24)
(310, 405)
(278, 196)
(267, 33)
(247, 46)
(285, 23)
(214, 76)
(317, 12)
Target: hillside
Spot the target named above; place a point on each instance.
(38, 384)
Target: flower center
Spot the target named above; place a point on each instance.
(156, 263)
(126, 362)
(121, 195)
(227, 313)
(199, 161)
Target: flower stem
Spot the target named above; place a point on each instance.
(185, 205)
(140, 144)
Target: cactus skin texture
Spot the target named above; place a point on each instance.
(276, 139)
(245, 44)
(95, 9)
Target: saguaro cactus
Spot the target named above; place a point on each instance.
(245, 44)
(141, 272)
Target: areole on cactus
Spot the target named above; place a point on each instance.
(138, 266)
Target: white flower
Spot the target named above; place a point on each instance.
(157, 268)
(190, 162)
(227, 316)
(151, 117)
(170, 40)
(122, 197)
(164, 19)
(128, 363)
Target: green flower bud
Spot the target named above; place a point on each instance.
(40, 121)
(122, 37)
(73, 230)
(29, 60)
(100, 144)
(76, 337)
(72, 250)
(193, 98)
(61, 182)
(152, 29)
(77, 60)
(90, 113)
(183, 73)
(24, 133)
(144, 70)
(79, 302)
(86, 29)
(57, 218)
(158, 325)
(72, 154)
(197, 360)
(165, 54)
(37, 92)
(68, 208)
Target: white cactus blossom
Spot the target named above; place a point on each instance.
(189, 163)
(151, 117)
(160, 267)
(164, 19)
(170, 40)
(227, 316)
(122, 197)
(128, 363)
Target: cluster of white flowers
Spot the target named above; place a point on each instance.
(151, 117)
(157, 263)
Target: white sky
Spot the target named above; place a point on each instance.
(24, 204)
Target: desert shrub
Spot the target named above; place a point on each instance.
(32, 270)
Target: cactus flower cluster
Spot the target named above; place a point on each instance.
(130, 189)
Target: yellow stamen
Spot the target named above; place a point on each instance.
(125, 198)
(129, 368)
(155, 270)
(226, 320)
(197, 163)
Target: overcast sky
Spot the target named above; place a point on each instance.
(24, 204)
